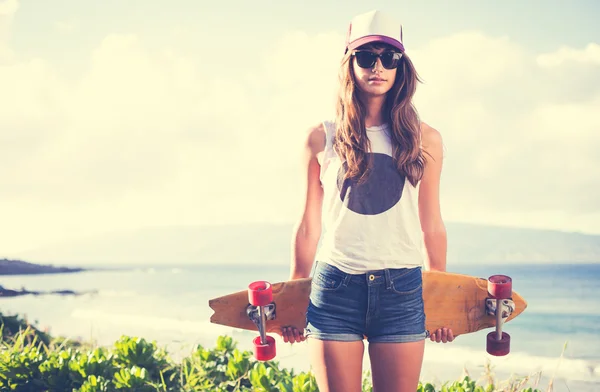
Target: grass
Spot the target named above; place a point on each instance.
(32, 360)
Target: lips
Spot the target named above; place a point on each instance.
(376, 80)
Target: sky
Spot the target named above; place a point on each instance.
(122, 115)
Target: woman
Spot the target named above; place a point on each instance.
(372, 179)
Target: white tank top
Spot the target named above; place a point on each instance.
(373, 225)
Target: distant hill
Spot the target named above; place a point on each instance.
(19, 267)
(477, 243)
(270, 244)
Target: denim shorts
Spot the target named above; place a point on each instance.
(381, 306)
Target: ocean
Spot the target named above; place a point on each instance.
(169, 304)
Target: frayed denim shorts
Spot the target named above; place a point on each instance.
(381, 306)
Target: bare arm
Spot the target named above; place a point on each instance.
(307, 230)
(432, 224)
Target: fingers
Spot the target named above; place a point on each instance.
(443, 335)
(292, 335)
(297, 335)
(285, 335)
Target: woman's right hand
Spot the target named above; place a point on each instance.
(292, 335)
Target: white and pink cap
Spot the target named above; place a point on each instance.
(374, 26)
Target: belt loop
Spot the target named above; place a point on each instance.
(346, 280)
(388, 279)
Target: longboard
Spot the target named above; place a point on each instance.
(463, 303)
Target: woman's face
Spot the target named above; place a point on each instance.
(372, 78)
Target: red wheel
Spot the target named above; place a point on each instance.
(500, 286)
(498, 347)
(260, 293)
(264, 352)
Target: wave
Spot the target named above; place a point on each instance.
(147, 322)
(117, 293)
(566, 308)
(576, 369)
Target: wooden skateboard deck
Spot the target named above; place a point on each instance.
(452, 300)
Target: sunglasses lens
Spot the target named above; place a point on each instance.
(365, 59)
(390, 60)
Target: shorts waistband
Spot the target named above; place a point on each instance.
(372, 278)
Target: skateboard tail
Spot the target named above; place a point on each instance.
(290, 300)
(458, 302)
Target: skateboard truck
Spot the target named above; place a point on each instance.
(508, 306)
(261, 309)
(499, 304)
(259, 316)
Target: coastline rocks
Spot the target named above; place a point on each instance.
(19, 267)
(15, 293)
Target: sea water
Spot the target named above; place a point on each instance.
(558, 335)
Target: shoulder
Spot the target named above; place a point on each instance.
(432, 143)
(430, 136)
(315, 138)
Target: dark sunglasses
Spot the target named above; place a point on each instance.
(366, 59)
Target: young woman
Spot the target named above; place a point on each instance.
(372, 179)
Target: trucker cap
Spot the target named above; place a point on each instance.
(374, 26)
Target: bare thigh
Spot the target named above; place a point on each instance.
(396, 366)
(337, 365)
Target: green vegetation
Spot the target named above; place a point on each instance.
(31, 360)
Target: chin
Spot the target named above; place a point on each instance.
(377, 91)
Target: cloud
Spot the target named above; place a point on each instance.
(589, 55)
(8, 8)
(65, 27)
(149, 135)
(126, 124)
(520, 129)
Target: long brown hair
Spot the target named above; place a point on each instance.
(351, 142)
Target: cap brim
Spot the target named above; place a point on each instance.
(376, 38)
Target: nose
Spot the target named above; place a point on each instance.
(378, 66)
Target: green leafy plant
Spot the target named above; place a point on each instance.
(32, 361)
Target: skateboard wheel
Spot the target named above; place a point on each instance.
(264, 352)
(500, 286)
(498, 347)
(260, 293)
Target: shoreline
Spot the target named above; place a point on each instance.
(10, 267)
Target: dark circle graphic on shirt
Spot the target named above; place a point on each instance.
(380, 191)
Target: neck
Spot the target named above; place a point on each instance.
(374, 106)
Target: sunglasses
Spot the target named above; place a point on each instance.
(366, 59)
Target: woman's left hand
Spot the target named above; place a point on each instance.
(443, 335)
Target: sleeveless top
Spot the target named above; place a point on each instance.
(372, 225)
